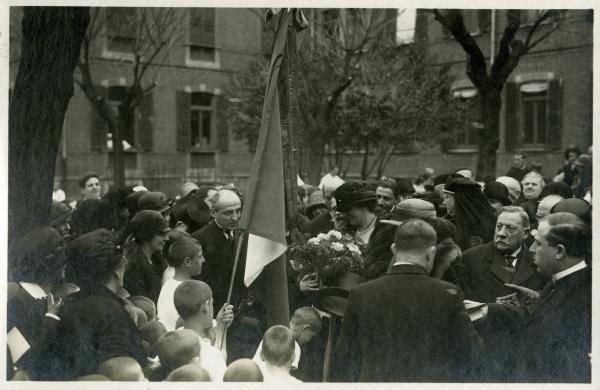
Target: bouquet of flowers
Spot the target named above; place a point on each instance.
(328, 255)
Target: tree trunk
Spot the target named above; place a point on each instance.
(117, 155)
(364, 172)
(488, 142)
(51, 41)
(316, 151)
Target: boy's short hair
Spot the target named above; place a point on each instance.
(243, 370)
(151, 333)
(177, 348)
(192, 372)
(181, 248)
(308, 316)
(122, 369)
(146, 304)
(189, 297)
(278, 346)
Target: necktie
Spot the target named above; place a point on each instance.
(510, 260)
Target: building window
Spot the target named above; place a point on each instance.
(202, 121)
(114, 97)
(534, 113)
(202, 50)
(405, 26)
(121, 32)
(466, 137)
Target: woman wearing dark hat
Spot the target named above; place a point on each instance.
(95, 326)
(497, 195)
(32, 308)
(357, 201)
(144, 254)
(470, 212)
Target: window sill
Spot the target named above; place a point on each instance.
(535, 148)
(462, 150)
(130, 151)
(199, 150)
(116, 55)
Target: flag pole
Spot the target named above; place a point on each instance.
(238, 251)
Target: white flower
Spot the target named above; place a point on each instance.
(335, 234)
(353, 248)
(336, 246)
(314, 241)
(323, 236)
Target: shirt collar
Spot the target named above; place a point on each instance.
(516, 252)
(34, 290)
(557, 276)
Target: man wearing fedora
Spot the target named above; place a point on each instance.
(407, 326)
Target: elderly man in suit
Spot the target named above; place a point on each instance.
(505, 260)
(407, 326)
(492, 266)
(218, 242)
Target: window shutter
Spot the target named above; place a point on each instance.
(511, 115)
(183, 121)
(554, 113)
(99, 126)
(202, 27)
(221, 125)
(145, 136)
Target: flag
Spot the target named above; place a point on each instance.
(263, 215)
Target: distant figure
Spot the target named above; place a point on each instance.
(331, 181)
(243, 370)
(519, 167)
(90, 185)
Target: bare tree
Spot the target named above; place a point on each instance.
(50, 43)
(490, 83)
(145, 37)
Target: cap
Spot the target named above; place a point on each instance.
(132, 200)
(411, 208)
(315, 200)
(584, 160)
(576, 206)
(498, 191)
(353, 194)
(460, 184)
(186, 188)
(59, 213)
(153, 201)
(151, 220)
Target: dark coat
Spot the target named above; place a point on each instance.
(518, 173)
(141, 277)
(218, 268)
(94, 328)
(27, 314)
(488, 272)
(556, 338)
(406, 327)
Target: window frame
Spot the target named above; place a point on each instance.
(216, 63)
(108, 35)
(523, 98)
(213, 125)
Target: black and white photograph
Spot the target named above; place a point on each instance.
(198, 192)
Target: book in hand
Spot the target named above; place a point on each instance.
(475, 310)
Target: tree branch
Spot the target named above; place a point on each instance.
(476, 65)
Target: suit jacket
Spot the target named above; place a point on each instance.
(94, 327)
(406, 327)
(488, 272)
(219, 253)
(556, 337)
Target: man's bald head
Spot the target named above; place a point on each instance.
(243, 370)
(224, 198)
(192, 372)
(178, 348)
(514, 187)
(546, 205)
(121, 369)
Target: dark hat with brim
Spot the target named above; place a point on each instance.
(95, 253)
(351, 194)
(498, 191)
(132, 201)
(151, 220)
(460, 184)
(156, 201)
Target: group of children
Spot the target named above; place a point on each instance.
(185, 342)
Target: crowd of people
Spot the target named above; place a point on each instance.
(464, 281)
